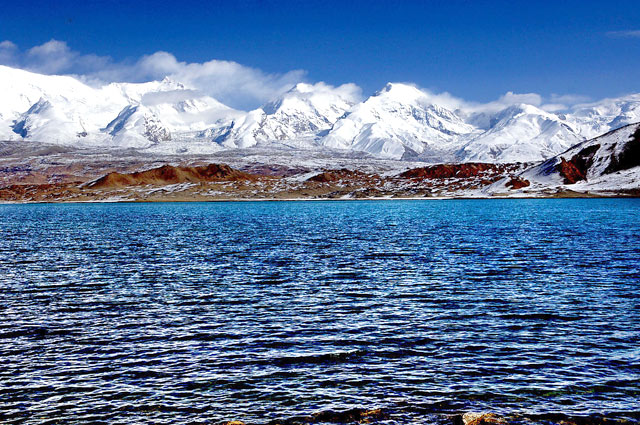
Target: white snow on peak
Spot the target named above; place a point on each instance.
(64, 110)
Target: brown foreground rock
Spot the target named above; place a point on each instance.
(351, 416)
(385, 416)
(220, 182)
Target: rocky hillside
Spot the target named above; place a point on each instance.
(168, 174)
(610, 162)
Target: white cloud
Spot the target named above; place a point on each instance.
(51, 57)
(6, 44)
(230, 82)
(349, 91)
(553, 103)
(511, 98)
(554, 107)
(504, 101)
(446, 100)
(563, 102)
(624, 34)
(226, 81)
(7, 52)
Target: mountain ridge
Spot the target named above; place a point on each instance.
(398, 122)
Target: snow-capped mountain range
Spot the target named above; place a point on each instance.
(398, 122)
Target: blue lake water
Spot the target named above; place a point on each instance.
(204, 312)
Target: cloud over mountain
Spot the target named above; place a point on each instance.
(230, 82)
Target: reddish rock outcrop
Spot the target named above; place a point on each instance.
(17, 192)
(570, 172)
(447, 171)
(168, 174)
(576, 168)
(335, 175)
(518, 183)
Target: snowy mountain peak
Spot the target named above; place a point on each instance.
(322, 98)
(520, 132)
(398, 121)
(138, 124)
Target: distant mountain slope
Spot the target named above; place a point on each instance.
(303, 112)
(594, 119)
(521, 133)
(63, 110)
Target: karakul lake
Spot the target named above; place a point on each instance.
(265, 311)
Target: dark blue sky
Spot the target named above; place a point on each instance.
(473, 49)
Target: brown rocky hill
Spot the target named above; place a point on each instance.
(448, 171)
(330, 176)
(169, 174)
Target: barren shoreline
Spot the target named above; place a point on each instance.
(434, 198)
(221, 183)
(32, 173)
(384, 415)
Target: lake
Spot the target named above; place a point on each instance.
(257, 311)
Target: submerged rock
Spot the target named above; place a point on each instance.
(350, 416)
(479, 418)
